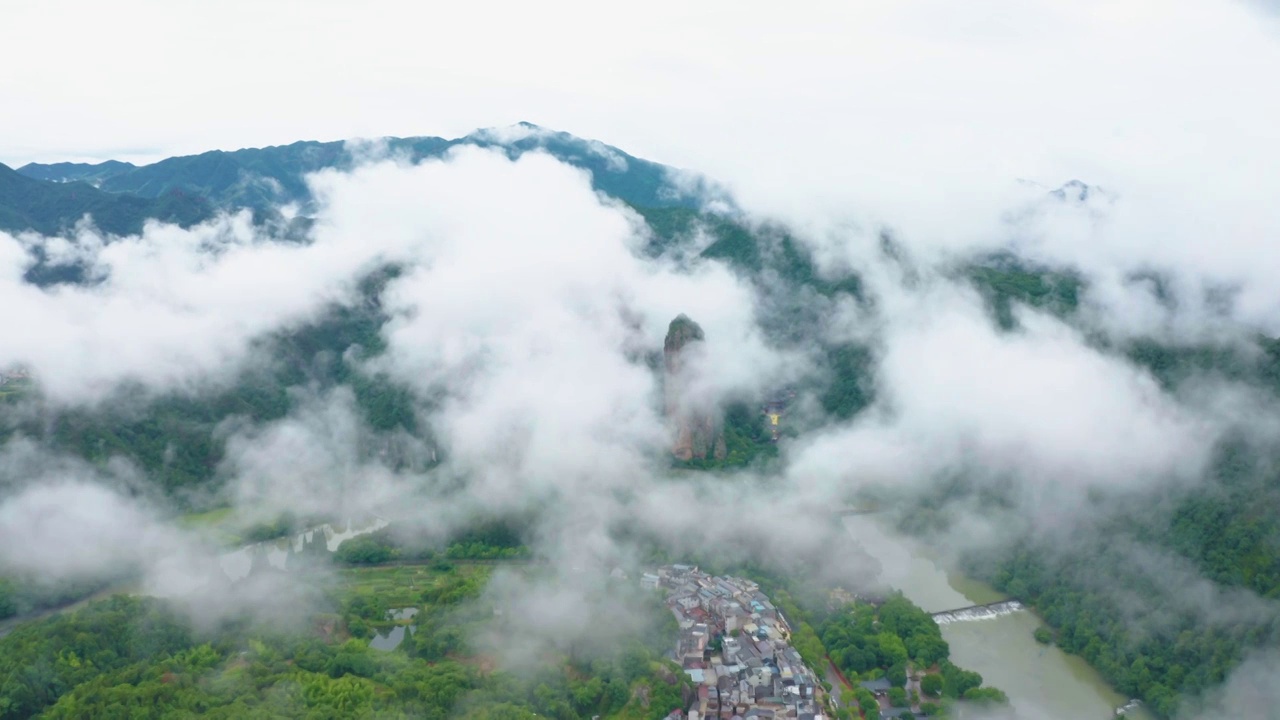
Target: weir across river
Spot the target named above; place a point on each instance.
(978, 612)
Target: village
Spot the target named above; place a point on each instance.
(735, 646)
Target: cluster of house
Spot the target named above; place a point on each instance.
(735, 646)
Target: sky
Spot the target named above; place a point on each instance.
(946, 124)
(909, 112)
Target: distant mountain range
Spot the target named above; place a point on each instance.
(92, 173)
(120, 196)
(48, 208)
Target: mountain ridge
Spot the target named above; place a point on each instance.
(27, 204)
(262, 178)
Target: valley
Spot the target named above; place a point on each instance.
(314, 468)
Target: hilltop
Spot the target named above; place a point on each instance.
(29, 204)
(262, 179)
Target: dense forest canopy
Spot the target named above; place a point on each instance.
(135, 657)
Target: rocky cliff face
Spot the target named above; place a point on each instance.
(697, 431)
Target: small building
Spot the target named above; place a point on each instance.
(878, 687)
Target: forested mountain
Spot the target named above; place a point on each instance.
(261, 179)
(92, 173)
(1225, 528)
(174, 440)
(50, 208)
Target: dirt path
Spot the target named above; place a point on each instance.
(7, 626)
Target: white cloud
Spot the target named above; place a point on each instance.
(68, 522)
(915, 114)
(176, 306)
(522, 297)
(1249, 691)
(1038, 406)
(527, 304)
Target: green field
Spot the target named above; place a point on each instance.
(212, 518)
(402, 585)
(16, 386)
(221, 525)
(231, 528)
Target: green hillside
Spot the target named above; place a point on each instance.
(48, 207)
(92, 173)
(261, 178)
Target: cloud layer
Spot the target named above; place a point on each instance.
(524, 320)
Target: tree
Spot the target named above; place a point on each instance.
(931, 685)
(892, 650)
(985, 694)
(897, 697)
(956, 682)
(7, 605)
(359, 628)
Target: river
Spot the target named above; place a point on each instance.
(237, 563)
(1042, 682)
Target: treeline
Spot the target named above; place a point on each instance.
(21, 594)
(488, 540)
(1169, 651)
